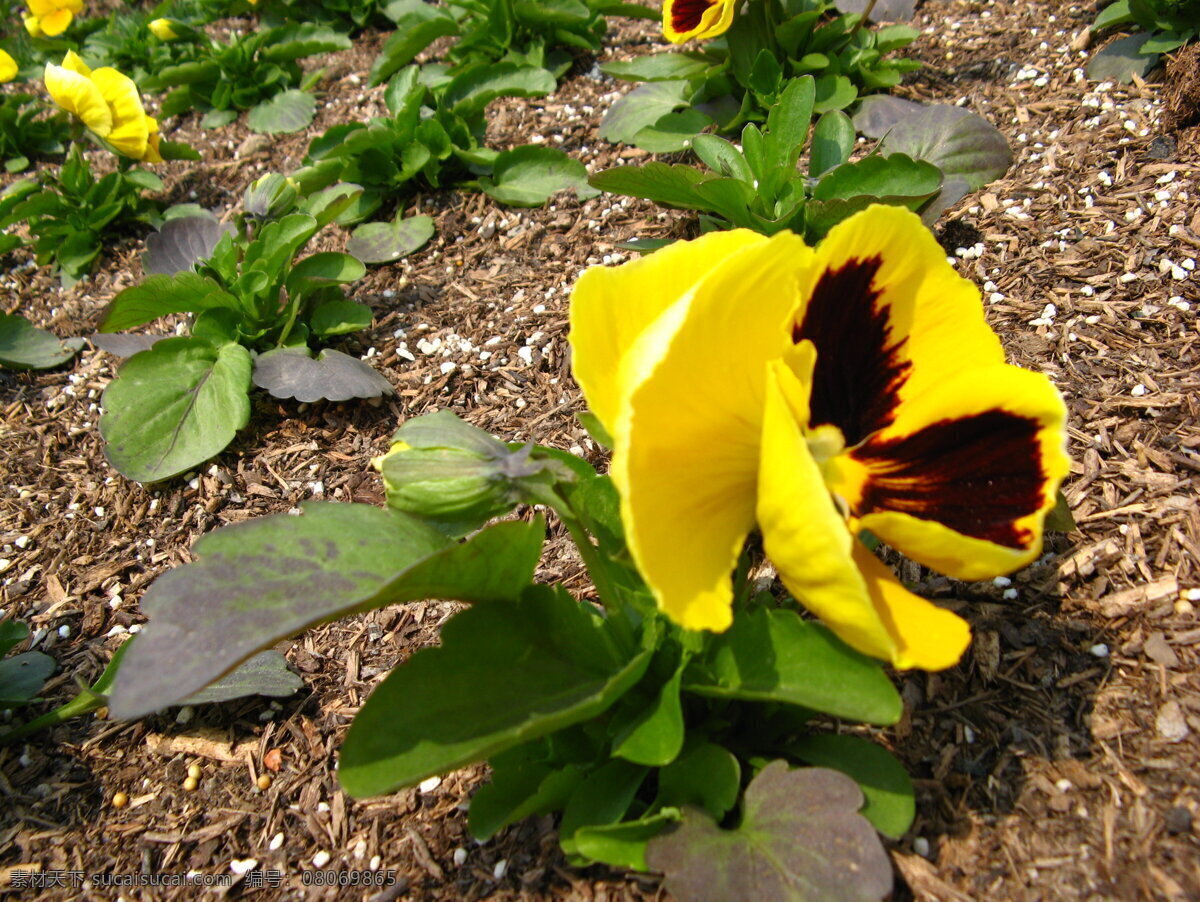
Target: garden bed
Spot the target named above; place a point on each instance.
(1059, 760)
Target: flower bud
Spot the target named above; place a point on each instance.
(272, 196)
(162, 29)
(446, 470)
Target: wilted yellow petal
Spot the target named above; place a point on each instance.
(687, 432)
(8, 67)
(77, 94)
(611, 305)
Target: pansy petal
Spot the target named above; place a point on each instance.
(687, 19)
(610, 306)
(805, 535)
(924, 635)
(130, 131)
(77, 94)
(688, 429)
(75, 63)
(889, 318)
(8, 67)
(56, 22)
(963, 479)
(75, 6)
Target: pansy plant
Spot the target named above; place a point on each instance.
(71, 214)
(260, 308)
(678, 716)
(748, 54)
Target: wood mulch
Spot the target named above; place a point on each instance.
(1059, 760)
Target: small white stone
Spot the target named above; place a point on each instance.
(1193, 595)
(431, 784)
(243, 865)
(1099, 650)
(1010, 594)
(921, 846)
(185, 715)
(1002, 581)
(1064, 785)
(64, 631)
(276, 842)
(500, 869)
(374, 863)
(460, 856)
(1138, 390)
(321, 859)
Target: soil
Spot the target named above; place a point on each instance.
(1059, 760)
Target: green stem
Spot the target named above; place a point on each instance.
(862, 19)
(614, 609)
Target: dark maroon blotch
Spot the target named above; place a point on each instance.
(859, 370)
(686, 14)
(977, 475)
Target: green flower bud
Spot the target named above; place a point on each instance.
(446, 470)
(271, 197)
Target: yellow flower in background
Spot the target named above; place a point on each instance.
(817, 393)
(703, 19)
(108, 104)
(51, 17)
(8, 67)
(161, 28)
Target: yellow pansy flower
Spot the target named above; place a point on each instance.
(51, 17)
(161, 29)
(818, 393)
(703, 19)
(8, 67)
(108, 104)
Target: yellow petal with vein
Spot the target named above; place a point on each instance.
(611, 305)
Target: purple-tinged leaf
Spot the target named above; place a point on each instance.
(182, 242)
(330, 376)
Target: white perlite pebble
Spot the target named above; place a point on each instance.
(500, 869)
(276, 842)
(243, 865)
(921, 846)
(1099, 650)
(321, 859)
(431, 784)
(460, 856)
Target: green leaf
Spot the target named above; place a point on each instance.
(257, 582)
(1164, 42)
(175, 406)
(1112, 15)
(651, 733)
(285, 113)
(181, 242)
(22, 677)
(23, 346)
(325, 268)
(891, 805)
(340, 318)
(722, 157)
(595, 428)
(477, 86)
(642, 107)
(177, 150)
(834, 92)
(505, 673)
(417, 26)
(383, 242)
(705, 776)
(1060, 519)
(672, 132)
(12, 634)
(766, 75)
(832, 143)
(623, 845)
(141, 178)
(218, 118)
(298, 40)
(160, 295)
(602, 798)
(266, 674)
(776, 656)
(895, 176)
(659, 67)
(522, 785)
(672, 185)
(530, 175)
(788, 123)
(800, 840)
